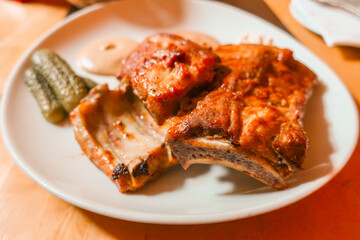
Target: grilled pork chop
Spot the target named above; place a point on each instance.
(116, 132)
(165, 68)
(252, 122)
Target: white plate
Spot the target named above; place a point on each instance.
(50, 155)
(296, 12)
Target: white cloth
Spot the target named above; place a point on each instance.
(337, 26)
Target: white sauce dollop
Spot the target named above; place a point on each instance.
(104, 56)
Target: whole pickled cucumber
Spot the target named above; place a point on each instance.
(67, 86)
(50, 108)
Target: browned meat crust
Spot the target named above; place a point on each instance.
(258, 109)
(165, 68)
(119, 136)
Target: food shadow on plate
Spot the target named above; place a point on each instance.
(243, 184)
(317, 163)
(172, 180)
(158, 14)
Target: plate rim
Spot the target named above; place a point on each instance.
(149, 217)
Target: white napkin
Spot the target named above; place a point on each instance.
(337, 26)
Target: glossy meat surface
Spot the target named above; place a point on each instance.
(165, 68)
(119, 136)
(258, 109)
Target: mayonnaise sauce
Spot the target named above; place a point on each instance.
(199, 38)
(104, 56)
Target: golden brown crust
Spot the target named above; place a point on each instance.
(218, 113)
(258, 107)
(165, 68)
(267, 74)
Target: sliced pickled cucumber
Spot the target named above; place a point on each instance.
(50, 108)
(69, 88)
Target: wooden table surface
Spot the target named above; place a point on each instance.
(27, 211)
